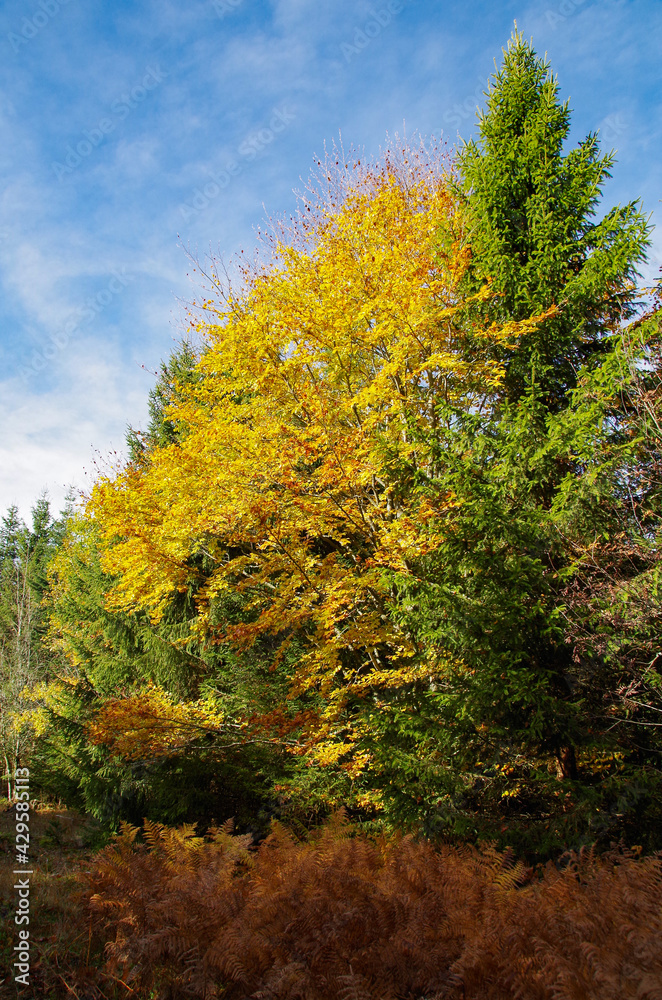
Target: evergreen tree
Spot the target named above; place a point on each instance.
(555, 516)
(10, 533)
(534, 233)
(24, 657)
(177, 371)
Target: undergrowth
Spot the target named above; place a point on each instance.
(342, 916)
(162, 914)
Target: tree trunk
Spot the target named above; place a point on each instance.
(566, 766)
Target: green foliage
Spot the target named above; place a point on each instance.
(111, 654)
(534, 232)
(25, 659)
(201, 784)
(175, 373)
(544, 595)
(553, 539)
(115, 650)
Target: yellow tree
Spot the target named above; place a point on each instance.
(320, 380)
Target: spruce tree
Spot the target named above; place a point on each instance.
(534, 230)
(179, 370)
(538, 478)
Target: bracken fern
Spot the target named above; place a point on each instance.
(346, 917)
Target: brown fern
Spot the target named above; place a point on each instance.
(346, 917)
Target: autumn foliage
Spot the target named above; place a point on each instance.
(391, 537)
(343, 916)
(149, 724)
(390, 542)
(319, 382)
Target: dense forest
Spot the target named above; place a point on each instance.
(383, 564)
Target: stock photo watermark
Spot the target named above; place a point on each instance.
(21, 950)
(94, 306)
(612, 127)
(225, 7)
(468, 107)
(248, 149)
(567, 8)
(120, 109)
(31, 26)
(379, 19)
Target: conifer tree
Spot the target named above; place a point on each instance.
(178, 370)
(24, 659)
(538, 477)
(535, 232)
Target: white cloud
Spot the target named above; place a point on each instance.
(51, 439)
(120, 208)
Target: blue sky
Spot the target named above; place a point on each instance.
(131, 132)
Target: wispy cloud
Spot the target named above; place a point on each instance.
(144, 168)
(50, 439)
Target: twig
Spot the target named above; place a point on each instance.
(116, 980)
(70, 988)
